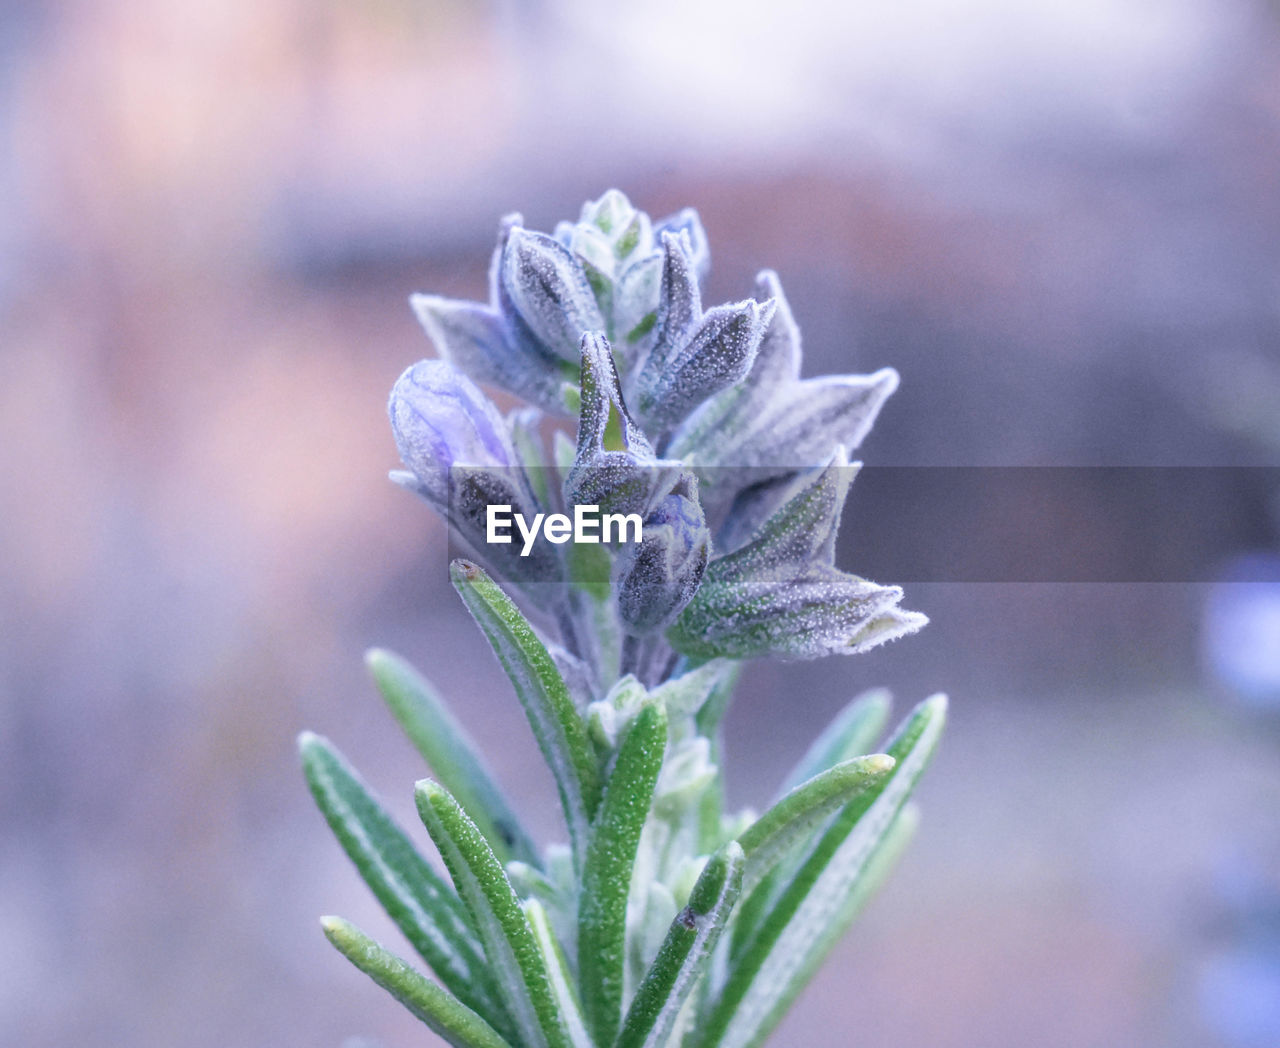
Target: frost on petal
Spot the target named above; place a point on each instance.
(778, 359)
(816, 414)
(717, 354)
(609, 213)
(679, 301)
(594, 253)
(635, 307)
(798, 427)
(773, 422)
(626, 228)
(792, 518)
(729, 416)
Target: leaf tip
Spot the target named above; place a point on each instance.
(428, 791)
(887, 380)
(309, 741)
(880, 763)
(463, 570)
(936, 705)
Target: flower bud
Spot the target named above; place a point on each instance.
(545, 293)
(659, 576)
(716, 354)
(695, 354)
(626, 229)
(614, 466)
(461, 460)
(441, 419)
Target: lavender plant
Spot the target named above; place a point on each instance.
(665, 920)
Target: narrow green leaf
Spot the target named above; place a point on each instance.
(421, 903)
(812, 953)
(853, 733)
(772, 968)
(558, 972)
(877, 870)
(450, 753)
(514, 958)
(685, 952)
(802, 811)
(606, 879)
(559, 729)
(439, 1009)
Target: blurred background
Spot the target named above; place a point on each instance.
(1058, 220)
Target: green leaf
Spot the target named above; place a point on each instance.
(514, 958)
(803, 810)
(439, 1009)
(774, 964)
(558, 972)
(879, 866)
(559, 729)
(853, 733)
(423, 906)
(606, 879)
(813, 952)
(450, 753)
(684, 954)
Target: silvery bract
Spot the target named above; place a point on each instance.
(781, 592)
(665, 920)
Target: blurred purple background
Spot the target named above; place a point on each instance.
(1058, 221)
